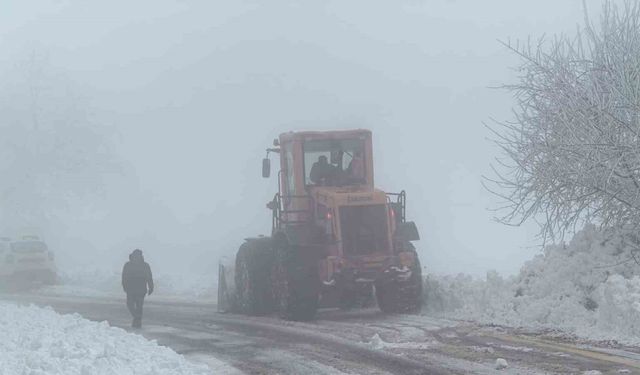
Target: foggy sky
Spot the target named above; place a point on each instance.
(196, 90)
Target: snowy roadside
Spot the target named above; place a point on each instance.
(38, 341)
(102, 283)
(589, 289)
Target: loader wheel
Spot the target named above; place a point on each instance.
(253, 264)
(402, 297)
(295, 284)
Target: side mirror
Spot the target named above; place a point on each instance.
(266, 167)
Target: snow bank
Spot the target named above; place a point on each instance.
(589, 288)
(99, 282)
(37, 341)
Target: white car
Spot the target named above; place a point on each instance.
(27, 261)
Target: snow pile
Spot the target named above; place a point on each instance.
(197, 286)
(100, 283)
(38, 341)
(589, 288)
(619, 310)
(376, 342)
(86, 280)
(501, 364)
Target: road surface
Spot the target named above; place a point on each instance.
(355, 342)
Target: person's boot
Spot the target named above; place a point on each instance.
(137, 323)
(133, 323)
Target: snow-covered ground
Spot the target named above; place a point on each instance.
(38, 341)
(589, 288)
(103, 283)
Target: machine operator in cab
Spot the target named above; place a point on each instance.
(323, 173)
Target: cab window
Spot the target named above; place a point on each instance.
(289, 169)
(334, 162)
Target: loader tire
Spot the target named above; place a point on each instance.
(253, 265)
(295, 283)
(402, 296)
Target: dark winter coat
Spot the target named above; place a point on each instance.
(136, 276)
(322, 172)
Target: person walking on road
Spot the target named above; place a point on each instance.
(137, 282)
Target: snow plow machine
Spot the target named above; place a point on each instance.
(335, 239)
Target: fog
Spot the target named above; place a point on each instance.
(171, 104)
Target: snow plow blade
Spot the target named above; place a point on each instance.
(226, 294)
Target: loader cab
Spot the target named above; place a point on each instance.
(336, 158)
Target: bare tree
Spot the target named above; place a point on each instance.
(572, 154)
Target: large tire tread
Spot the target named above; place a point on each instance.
(252, 274)
(295, 284)
(402, 297)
